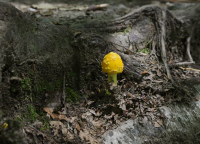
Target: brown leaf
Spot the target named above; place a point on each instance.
(89, 102)
(78, 127)
(49, 111)
(85, 135)
(97, 124)
(158, 123)
(197, 97)
(130, 114)
(150, 77)
(56, 126)
(150, 109)
(115, 117)
(159, 73)
(63, 117)
(144, 72)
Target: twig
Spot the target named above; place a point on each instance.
(190, 69)
(42, 133)
(181, 64)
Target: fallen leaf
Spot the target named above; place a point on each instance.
(144, 72)
(89, 102)
(97, 124)
(197, 97)
(115, 117)
(159, 73)
(63, 117)
(150, 77)
(85, 135)
(85, 115)
(55, 125)
(78, 127)
(50, 112)
(158, 123)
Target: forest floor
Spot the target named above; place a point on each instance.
(87, 119)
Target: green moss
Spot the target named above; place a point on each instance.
(31, 115)
(71, 95)
(26, 84)
(34, 48)
(48, 86)
(126, 30)
(46, 125)
(31, 72)
(145, 50)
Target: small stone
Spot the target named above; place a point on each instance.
(110, 133)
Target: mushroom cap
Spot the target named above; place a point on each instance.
(112, 63)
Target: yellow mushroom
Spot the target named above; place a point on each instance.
(112, 64)
(5, 125)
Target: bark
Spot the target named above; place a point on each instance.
(52, 56)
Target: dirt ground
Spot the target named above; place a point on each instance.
(89, 113)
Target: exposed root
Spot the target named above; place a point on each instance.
(188, 49)
(163, 49)
(64, 95)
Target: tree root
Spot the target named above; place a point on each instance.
(163, 49)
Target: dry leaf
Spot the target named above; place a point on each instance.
(56, 126)
(85, 115)
(150, 77)
(115, 117)
(158, 123)
(49, 111)
(63, 117)
(159, 73)
(89, 102)
(97, 124)
(144, 72)
(85, 135)
(197, 97)
(78, 127)
(60, 116)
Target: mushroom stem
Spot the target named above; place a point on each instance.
(112, 77)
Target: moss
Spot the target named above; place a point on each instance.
(145, 50)
(31, 115)
(31, 72)
(127, 30)
(26, 84)
(48, 86)
(71, 95)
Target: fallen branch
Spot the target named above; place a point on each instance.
(43, 133)
(190, 69)
(181, 64)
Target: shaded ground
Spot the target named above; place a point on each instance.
(88, 113)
